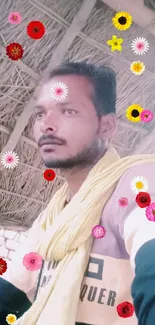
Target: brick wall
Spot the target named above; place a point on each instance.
(9, 242)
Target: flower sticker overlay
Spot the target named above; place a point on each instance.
(14, 51)
(122, 20)
(49, 174)
(137, 67)
(10, 159)
(139, 184)
(115, 43)
(59, 91)
(143, 199)
(36, 29)
(123, 202)
(32, 261)
(3, 266)
(15, 18)
(11, 319)
(98, 232)
(150, 212)
(125, 309)
(146, 116)
(140, 45)
(133, 113)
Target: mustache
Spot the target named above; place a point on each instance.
(49, 139)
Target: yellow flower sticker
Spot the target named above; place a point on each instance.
(10, 319)
(115, 43)
(137, 67)
(122, 20)
(133, 113)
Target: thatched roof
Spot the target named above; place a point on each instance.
(75, 30)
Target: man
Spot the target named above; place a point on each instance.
(74, 123)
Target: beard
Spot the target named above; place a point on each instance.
(86, 157)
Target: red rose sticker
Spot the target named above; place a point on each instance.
(125, 309)
(143, 199)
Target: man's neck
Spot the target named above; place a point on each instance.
(75, 179)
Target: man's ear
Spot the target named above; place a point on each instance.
(108, 124)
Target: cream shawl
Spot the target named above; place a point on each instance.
(67, 238)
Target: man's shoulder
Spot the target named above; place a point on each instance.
(139, 178)
(139, 172)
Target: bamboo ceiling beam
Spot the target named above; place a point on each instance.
(23, 138)
(73, 30)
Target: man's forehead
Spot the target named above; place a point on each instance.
(52, 86)
(40, 105)
(71, 81)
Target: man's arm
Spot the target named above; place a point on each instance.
(138, 234)
(17, 282)
(12, 301)
(143, 286)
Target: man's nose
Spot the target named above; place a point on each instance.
(49, 123)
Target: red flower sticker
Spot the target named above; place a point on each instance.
(125, 309)
(98, 232)
(14, 51)
(143, 199)
(35, 29)
(32, 261)
(49, 174)
(3, 266)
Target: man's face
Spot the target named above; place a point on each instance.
(67, 131)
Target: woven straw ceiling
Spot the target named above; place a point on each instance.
(75, 30)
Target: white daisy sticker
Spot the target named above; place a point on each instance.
(59, 91)
(140, 45)
(139, 184)
(9, 159)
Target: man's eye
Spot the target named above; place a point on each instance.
(39, 115)
(69, 111)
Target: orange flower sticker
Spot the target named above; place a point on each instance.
(14, 51)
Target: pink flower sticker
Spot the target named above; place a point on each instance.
(98, 232)
(10, 159)
(150, 212)
(32, 261)
(123, 201)
(146, 116)
(15, 18)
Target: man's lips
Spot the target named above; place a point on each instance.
(50, 144)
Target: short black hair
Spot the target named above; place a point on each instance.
(102, 78)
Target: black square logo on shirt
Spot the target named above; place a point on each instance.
(99, 263)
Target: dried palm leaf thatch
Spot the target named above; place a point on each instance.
(23, 190)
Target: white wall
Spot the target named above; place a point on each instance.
(9, 242)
